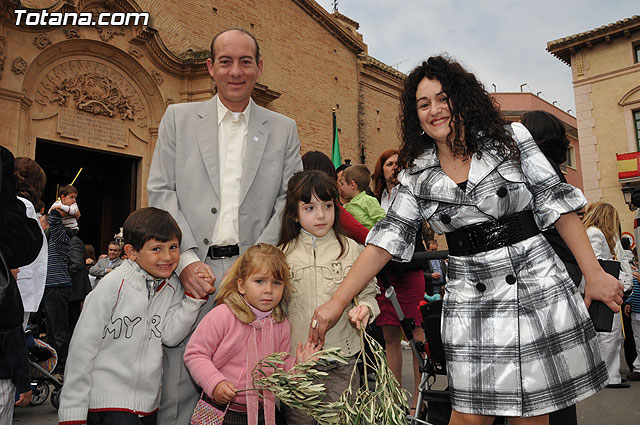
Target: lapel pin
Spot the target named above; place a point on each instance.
(255, 138)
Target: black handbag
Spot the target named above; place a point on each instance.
(601, 315)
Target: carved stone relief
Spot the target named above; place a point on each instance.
(90, 87)
(169, 101)
(71, 32)
(157, 77)
(135, 52)
(41, 41)
(107, 33)
(19, 66)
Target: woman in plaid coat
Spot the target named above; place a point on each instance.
(518, 338)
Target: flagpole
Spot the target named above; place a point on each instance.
(336, 159)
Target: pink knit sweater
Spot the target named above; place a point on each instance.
(223, 348)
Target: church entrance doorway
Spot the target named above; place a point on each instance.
(107, 187)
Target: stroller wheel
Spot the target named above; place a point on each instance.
(40, 393)
(55, 398)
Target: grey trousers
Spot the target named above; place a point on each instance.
(179, 392)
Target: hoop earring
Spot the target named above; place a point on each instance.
(422, 133)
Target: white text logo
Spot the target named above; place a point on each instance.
(44, 18)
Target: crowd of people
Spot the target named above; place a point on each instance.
(248, 249)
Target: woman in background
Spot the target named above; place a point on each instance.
(602, 223)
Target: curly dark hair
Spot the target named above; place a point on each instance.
(471, 107)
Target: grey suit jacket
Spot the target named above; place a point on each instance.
(99, 269)
(184, 176)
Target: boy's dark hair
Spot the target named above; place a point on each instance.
(626, 243)
(149, 223)
(67, 190)
(359, 174)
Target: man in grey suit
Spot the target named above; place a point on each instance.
(106, 265)
(221, 169)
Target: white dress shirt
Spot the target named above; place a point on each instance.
(233, 128)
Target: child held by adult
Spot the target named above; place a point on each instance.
(116, 349)
(320, 257)
(248, 324)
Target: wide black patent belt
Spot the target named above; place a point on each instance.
(481, 237)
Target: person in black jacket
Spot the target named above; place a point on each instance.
(551, 137)
(20, 243)
(79, 277)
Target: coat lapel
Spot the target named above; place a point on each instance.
(206, 129)
(257, 137)
(481, 168)
(433, 183)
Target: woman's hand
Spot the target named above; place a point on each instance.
(225, 392)
(367, 265)
(324, 318)
(601, 286)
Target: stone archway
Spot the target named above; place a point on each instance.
(92, 95)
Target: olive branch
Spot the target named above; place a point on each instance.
(302, 387)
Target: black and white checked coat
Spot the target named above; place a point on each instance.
(518, 339)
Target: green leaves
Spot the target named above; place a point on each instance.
(303, 388)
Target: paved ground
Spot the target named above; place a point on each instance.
(608, 407)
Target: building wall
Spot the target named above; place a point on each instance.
(380, 101)
(604, 75)
(313, 62)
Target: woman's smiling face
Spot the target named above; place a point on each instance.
(433, 109)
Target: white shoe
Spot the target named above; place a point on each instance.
(405, 345)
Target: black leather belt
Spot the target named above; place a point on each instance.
(223, 251)
(481, 237)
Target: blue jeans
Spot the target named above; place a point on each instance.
(120, 418)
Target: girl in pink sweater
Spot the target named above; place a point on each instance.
(248, 324)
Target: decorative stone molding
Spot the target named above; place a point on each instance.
(135, 52)
(91, 87)
(169, 101)
(157, 76)
(41, 41)
(19, 66)
(3, 56)
(71, 32)
(107, 33)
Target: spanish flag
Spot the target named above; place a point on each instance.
(628, 165)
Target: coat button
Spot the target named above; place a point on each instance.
(214, 210)
(481, 287)
(502, 192)
(445, 219)
(511, 279)
(206, 241)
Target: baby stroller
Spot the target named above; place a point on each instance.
(42, 360)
